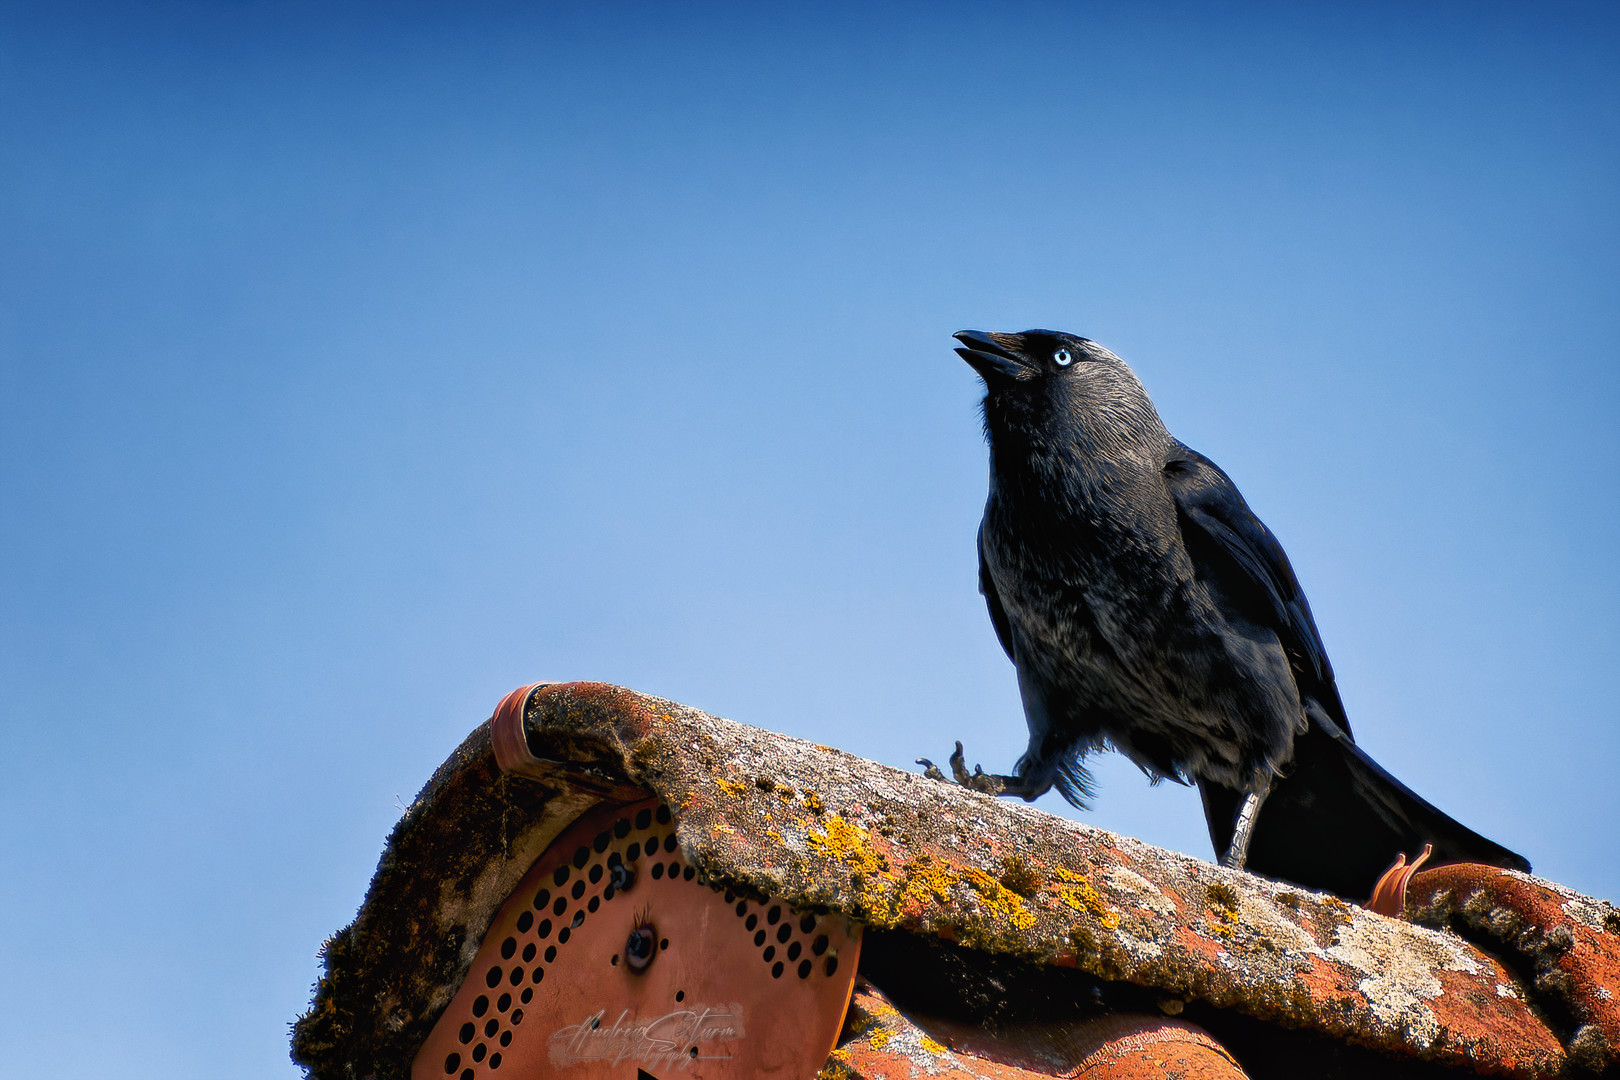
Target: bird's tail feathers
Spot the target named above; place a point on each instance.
(1336, 819)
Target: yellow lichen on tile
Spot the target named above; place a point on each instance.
(1081, 895)
(838, 1067)
(931, 1046)
(1000, 901)
(850, 845)
(1222, 922)
(733, 789)
(926, 880)
(1222, 913)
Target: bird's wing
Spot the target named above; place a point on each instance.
(998, 614)
(1234, 549)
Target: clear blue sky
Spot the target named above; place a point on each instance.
(358, 366)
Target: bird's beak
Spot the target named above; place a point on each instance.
(993, 356)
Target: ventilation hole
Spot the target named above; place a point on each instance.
(657, 871)
(742, 909)
(596, 1022)
(621, 828)
(607, 894)
(508, 948)
(525, 921)
(536, 975)
(544, 930)
(784, 932)
(578, 890)
(730, 896)
(751, 922)
(692, 1053)
(674, 870)
(504, 1002)
(528, 952)
(560, 876)
(664, 944)
(759, 939)
(528, 991)
(542, 898)
(517, 1017)
(643, 818)
(452, 1063)
(794, 950)
(506, 1038)
(633, 852)
(467, 1074)
(579, 917)
(615, 960)
(517, 976)
(776, 970)
(614, 859)
(770, 953)
(495, 1060)
(819, 945)
(804, 969)
(551, 953)
(479, 1051)
(491, 1028)
(467, 1032)
(596, 873)
(640, 948)
(563, 935)
(680, 995)
(663, 815)
(807, 924)
(596, 902)
(689, 873)
(560, 906)
(493, 977)
(603, 839)
(832, 964)
(774, 915)
(670, 843)
(581, 857)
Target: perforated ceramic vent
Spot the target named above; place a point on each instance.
(611, 960)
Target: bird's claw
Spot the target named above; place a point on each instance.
(977, 780)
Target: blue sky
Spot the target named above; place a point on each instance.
(358, 366)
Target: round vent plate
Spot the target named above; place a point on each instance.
(611, 960)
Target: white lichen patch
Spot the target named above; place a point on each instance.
(1398, 971)
(1590, 913)
(1134, 889)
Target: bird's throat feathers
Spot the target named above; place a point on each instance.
(1074, 428)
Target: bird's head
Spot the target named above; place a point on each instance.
(1047, 379)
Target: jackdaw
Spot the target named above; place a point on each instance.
(1146, 608)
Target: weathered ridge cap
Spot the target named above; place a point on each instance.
(818, 826)
(823, 829)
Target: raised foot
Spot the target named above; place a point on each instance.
(977, 780)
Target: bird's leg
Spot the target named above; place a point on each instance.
(1237, 852)
(978, 779)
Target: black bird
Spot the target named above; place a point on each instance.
(1146, 608)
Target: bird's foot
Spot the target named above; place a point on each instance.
(977, 780)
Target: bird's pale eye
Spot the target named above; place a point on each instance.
(1063, 358)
